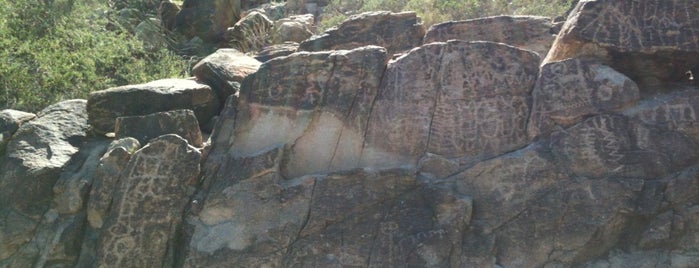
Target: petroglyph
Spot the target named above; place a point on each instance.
(569, 90)
(148, 204)
(463, 99)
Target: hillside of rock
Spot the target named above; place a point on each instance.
(380, 144)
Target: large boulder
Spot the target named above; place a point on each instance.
(147, 127)
(224, 70)
(528, 32)
(651, 41)
(250, 33)
(396, 32)
(10, 120)
(32, 165)
(207, 19)
(277, 50)
(105, 106)
(463, 100)
(149, 201)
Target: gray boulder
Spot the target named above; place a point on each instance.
(105, 106)
(224, 70)
(147, 127)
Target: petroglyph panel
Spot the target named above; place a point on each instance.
(569, 90)
(148, 204)
(527, 32)
(640, 25)
(677, 111)
(455, 99)
(596, 147)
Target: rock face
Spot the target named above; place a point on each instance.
(10, 120)
(32, 165)
(648, 48)
(528, 32)
(396, 32)
(148, 203)
(207, 19)
(454, 154)
(466, 101)
(569, 90)
(147, 127)
(103, 107)
(224, 70)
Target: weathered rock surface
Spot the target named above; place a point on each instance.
(463, 100)
(568, 91)
(396, 32)
(10, 120)
(31, 166)
(207, 19)
(250, 32)
(105, 106)
(277, 50)
(527, 32)
(149, 201)
(293, 29)
(318, 104)
(144, 128)
(454, 154)
(224, 70)
(651, 41)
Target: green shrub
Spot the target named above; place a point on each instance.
(60, 49)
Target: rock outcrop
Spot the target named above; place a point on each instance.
(224, 70)
(651, 41)
(528, 32)
(397, 32)
(452, 154)
(105, 106)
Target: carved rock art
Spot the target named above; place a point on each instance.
(457, 99)
(527, 32)
(569, 90)
(651, 41)
(148, 204)
(396, 32)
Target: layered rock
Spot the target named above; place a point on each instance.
(396, 32)
(527, 32)
(105, 106)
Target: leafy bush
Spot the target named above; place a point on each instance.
(59, 49)
(437, 11)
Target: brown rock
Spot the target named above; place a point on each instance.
(650, 41)
(396, 32)
(316, 103)
(526, 32)
(148, 205)
(274, 51)
(612, 145)
(250, 33)
(222, 69)
(675, 111)
(207, 19)
(167, 12)
(144, 128)
(568, 91)
(105, 106)
(290, 31)
(466, 100)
